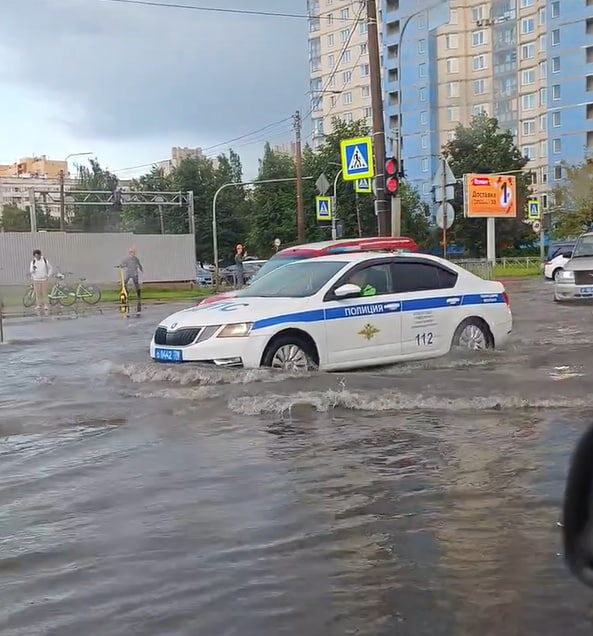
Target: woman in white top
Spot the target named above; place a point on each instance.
(41, 270)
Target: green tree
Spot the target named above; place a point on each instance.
(573, 209)
(482, 147)
(142, 219)
(14, 219)
(99, 218)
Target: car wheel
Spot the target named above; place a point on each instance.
(556, 273)
(473, 334)
(290, 353)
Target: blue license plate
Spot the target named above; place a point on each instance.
(168, 355)
(588, 291)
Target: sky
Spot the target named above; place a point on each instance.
(128, 82)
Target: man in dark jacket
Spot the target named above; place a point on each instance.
(132, 268)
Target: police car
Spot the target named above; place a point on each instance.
(342, 311)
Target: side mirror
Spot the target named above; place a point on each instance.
(348, 290)
(577, 521)
(567, 254)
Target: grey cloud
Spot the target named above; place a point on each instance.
(132, 71)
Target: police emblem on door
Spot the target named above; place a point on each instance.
(368, 331)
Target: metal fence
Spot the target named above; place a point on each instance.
(485, 268)
(166, 258)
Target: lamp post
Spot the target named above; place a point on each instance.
(62, 197)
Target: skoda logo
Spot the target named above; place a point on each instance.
(174, 325)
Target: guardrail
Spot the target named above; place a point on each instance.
(485, 269)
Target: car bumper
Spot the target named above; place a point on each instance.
(570, 291)
(548, 271)
(238, 352)
(501, 330)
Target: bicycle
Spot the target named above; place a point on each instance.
(90, 294)
(60, 293)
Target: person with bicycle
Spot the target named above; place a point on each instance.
(132, 268)
(41, 271)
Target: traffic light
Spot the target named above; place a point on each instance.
(391, 176)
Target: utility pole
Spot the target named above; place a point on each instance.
(445, 204)
(382, 209)
(62, 203)
(299, 180)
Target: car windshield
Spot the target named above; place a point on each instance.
(584, 246)
(297, 280)
(273, 264)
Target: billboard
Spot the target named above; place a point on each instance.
(490, 195)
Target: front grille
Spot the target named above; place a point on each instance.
(583, 278)
(178, 338)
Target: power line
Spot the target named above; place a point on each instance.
(250, 134)
(275, 14)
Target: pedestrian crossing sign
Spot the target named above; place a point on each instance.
(357, 159)
(324, 208)
(363, 186)
(533, 210)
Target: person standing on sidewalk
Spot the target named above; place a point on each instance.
(133, 267)
(240, 255)
(40, 270)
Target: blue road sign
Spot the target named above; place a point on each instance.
(363, 186)
(323, 207)
(357, 159)
(533, 210)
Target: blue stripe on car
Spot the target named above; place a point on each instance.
(389, 307)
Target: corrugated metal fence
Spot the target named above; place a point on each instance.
(165, 258)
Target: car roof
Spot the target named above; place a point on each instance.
(362, 256)
(320, 245)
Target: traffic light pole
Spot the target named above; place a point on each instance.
(381, 207)
(299, 180)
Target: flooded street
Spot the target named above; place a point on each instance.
(423, 498)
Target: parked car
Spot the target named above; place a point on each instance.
(575, 281)
(250, 269)
(325, 248)
(203, 276)
(558, 255)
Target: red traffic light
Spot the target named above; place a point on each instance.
(391, 167)
(391, 185)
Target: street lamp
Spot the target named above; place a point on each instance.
(62, 197)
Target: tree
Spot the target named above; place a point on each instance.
(146, 219)
(14, 219)
(482, 147)
(573, 209)
(99, 218)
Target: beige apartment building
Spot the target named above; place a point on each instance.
(37, 167)
(339, 64)
(491, 57)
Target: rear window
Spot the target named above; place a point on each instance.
(418, 276)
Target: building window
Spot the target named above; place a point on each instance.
(526, 3)
(478, 13)
(543, 150)
(557, 173)
(424, 165)
(453, 89)
(556, 119)
(542, 43)
(528, 127)
(528, 77)
(426, 188)
(423, 118)
(347, 98)
(330, 40)
(479, 62)
(422, 70)
(348, 118)
(421, 46)
(330, 19)
(528, 152)
(453, 65)
(332, 101)
(347, 57)
(557, 146)
(555, 37)
(345, 14)
(478, 38)
(556, 92)
(422, 94)
(317, 126)
(543, 70)
(480, 109)
(332, 81)
(452, 41)
(367, 112)
(364, 70)
(555, 65)
(528, 101)
(363, 28)
(331, 60)
(453, 113)
(453, 16)
(366, 91)
(479, 87)
(527, 26)
(528, 51)
(543, 123)
(424, 142)
(421, 23)
(556, 9)
(344, 35)
(364, 49)
(346, 77)
(541, 16)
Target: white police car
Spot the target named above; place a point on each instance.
(342, 311)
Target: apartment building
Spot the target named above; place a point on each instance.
(38, 167)
(339, 64)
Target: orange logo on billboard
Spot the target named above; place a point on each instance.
(490, 195)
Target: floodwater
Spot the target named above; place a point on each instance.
(417, 499)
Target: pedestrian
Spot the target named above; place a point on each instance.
(240, 255)
(132, 267)
(40, 270)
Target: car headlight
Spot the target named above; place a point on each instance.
(235, 331)
(566, 275)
